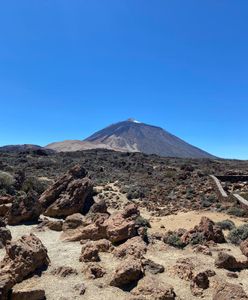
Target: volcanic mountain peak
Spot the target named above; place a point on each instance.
(133, 136)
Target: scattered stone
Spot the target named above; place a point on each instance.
(73, 221)
(152, 267)
(93, 271)
(202, 249)
(183, 269)
(232, 275)
(102, 245)
(226, 291)
(64, 271)
(229, 262)
(128, 272)
(209, 230)
(89, 253)
(198, 283)
(81, 288)
(135, 247)
(50, 224)
(149, 288)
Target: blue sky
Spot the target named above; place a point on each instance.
(71, 67)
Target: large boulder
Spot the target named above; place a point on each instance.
(150, 288)
(135, 247)
(22, 258)
(229, 262)
(226, 291)
(207, 229)
(127, 273)
(72, 193)
(24, 208)
(118, 227)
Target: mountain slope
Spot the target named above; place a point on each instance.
(132, 136)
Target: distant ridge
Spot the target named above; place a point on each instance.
(134, 136)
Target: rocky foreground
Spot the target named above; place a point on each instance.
(69, 244)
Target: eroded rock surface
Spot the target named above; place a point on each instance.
(68, 195)
(22, 258)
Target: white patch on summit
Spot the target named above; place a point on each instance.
(133, 120)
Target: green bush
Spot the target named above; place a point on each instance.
(236, 211)
(237, 235)
(6, 182)
(34, 184)
(197, 238)
(226, 225)
(140, 221)
(174, 240)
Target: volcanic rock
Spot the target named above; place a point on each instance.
(25, 208)
(229, 262)
(128, 272)
(68, 195)
(151, 288)
(244, 247)
(22, 258)
(226, 291)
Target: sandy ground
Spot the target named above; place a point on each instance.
(186, 220)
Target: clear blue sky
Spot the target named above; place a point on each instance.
(71, 67)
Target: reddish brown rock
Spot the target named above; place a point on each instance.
(150, 288)
(50, 224)
(134, 246)
(202, 249)
(229, 262)
(128, 272)
(244, 247)
(183, 269)
(208, 230)
(68, 195)
(198, 283)
(93, 271)
(25, 208)
(226, 291)
(89, 253)
(22, 258)
(74, 221)
(152, 267)
(211, 231)
(64, 271)
(116, 228)
(101, 245)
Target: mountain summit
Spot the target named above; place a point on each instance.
(134, 136)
